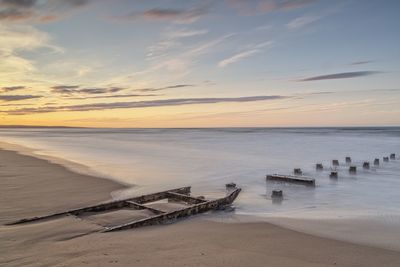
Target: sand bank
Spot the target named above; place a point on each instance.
(31, 186)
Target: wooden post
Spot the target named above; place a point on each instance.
(376, 162)
(392, 156)
(297, 171)
(277, 194)
(385, 159)
(319, 167)
(366, 165)
(335, 162)
(333, 174)
(348, 160)
(353, 170)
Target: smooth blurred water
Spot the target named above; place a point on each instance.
(153, 159)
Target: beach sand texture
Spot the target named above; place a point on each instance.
(30, 186)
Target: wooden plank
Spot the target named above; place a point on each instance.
(292, 179)
(107, 206)
(185, 198)
(162, 218)
(138, 206)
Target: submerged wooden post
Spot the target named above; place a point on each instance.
(277, 194)
(297, 171)
(319, 167)
(376, 162)
(366, 165)
(353, 169)
(392, 156)
(385, 159)
(335, 162)
(333, 174)
(348, 160)
(230, 186)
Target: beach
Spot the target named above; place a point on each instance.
(31, 186)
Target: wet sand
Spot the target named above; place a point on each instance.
(30, 186)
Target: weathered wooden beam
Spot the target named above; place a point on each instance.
(185, 198)
(292, 179)
(108, 205)
(138, 206)
(159, 196)
(162, 218)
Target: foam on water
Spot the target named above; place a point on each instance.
(153, 159)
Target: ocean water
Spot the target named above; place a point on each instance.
(207, 159)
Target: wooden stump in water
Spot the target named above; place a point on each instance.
(319, 167)
(348, 160)
(277, 194)
(366, 165)
(376, 162)
(353, 169)
(392, 156)
(385, 159)
(333, 174)
(297, 171)
(335, 162)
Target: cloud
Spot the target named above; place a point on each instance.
(38, 11)
(185, 33)
(18, 3)
(17, 97)
(237, 57)
(12, 88)
(242, 55)
(256, 7)
(100, 90)
(180, 16)
(363, 62)
(164, 88)
(178, 86)
(75, 89)
(15, 39)
(64, 89)
(144, 104)
(342, 75)
(302, 21)
(112, 96)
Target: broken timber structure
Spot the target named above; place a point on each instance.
(197, 205)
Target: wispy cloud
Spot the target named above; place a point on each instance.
(38, 11)
(255, 7)
(184, 33)
(144, 104)
(302, 21)
(362, 62)
(164, 88)
(75, 89)
(12, 88)
(113, 96)
(180, 16)
(244, 54)
(342, 75)
(18, 97)
(15, 39)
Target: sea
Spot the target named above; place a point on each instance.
(150, 160)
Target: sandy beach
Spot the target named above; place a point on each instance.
(31, 186)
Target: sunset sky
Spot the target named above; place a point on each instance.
(233, 63)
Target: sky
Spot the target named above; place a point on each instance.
(186, 63)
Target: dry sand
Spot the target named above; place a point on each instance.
(31, 186)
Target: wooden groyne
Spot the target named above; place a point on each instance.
(292, 179)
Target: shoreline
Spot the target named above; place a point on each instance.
(196, 241)
(72, 166)
(381, 234)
